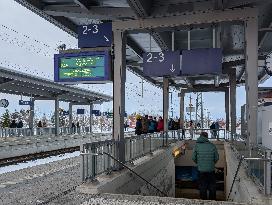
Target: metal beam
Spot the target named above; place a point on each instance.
(61, 22)
(208, 17)
(94, 12)
(205, 89)
(84, 5)
(140, 7)
(241, 3)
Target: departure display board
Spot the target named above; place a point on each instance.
(82, 67)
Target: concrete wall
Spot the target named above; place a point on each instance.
(159, 169)
(244, 189)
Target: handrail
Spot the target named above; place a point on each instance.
(164, 194)
(235, 176)
(238, 168)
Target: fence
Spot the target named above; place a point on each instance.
(27, 132)
(212, 134)
(94, 162)
(256, 161)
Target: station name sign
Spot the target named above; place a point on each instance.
(82, 67)
(95, 35)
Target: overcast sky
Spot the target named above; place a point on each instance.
(29, 42)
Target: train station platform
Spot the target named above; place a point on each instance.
(152, 169)
(19, 146)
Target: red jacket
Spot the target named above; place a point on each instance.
(160, 126)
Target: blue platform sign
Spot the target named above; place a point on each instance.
(202, 61)
(22, 102)
(165, 63)
(80, 111)
(65, 112)
(96, 112)
(95, 35)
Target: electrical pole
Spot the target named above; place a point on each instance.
(199, 109)
(190, 108)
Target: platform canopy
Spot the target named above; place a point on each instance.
(18, 83)
(230, 36)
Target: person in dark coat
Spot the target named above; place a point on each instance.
(138, 128)
(205, 155)
(13, 124)
(20, 124)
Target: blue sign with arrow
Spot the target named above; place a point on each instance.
(165, 63)
(95, 35)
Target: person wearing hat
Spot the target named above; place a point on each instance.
(138, 128)
(205, 155)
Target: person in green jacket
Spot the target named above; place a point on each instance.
(205, 155)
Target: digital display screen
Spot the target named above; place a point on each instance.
(87, 66)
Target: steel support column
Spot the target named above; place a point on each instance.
(31, 114)
(181, 111)
(165, 102)
(251, 33)
(227, 109)
(232, 80)
(56, 116)
(119, 91)
(91, 118)
(70, 114)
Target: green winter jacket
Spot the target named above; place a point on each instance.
(205, 155)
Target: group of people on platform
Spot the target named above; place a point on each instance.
(148, 124)
(15, 124)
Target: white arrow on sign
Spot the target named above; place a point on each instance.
(106, 38)
(172, 69)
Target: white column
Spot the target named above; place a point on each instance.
(56, 116)
(91, 118)
(119, 79)
(181, 111)
(165, 102)
(232, 81)
(251, 33)
(70, 114)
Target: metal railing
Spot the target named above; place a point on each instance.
(94, 163)
(256, 162)
(39, 131)
(212, 134)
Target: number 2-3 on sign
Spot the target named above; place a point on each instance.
(94, 29)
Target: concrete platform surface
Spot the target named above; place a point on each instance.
(116, 199)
